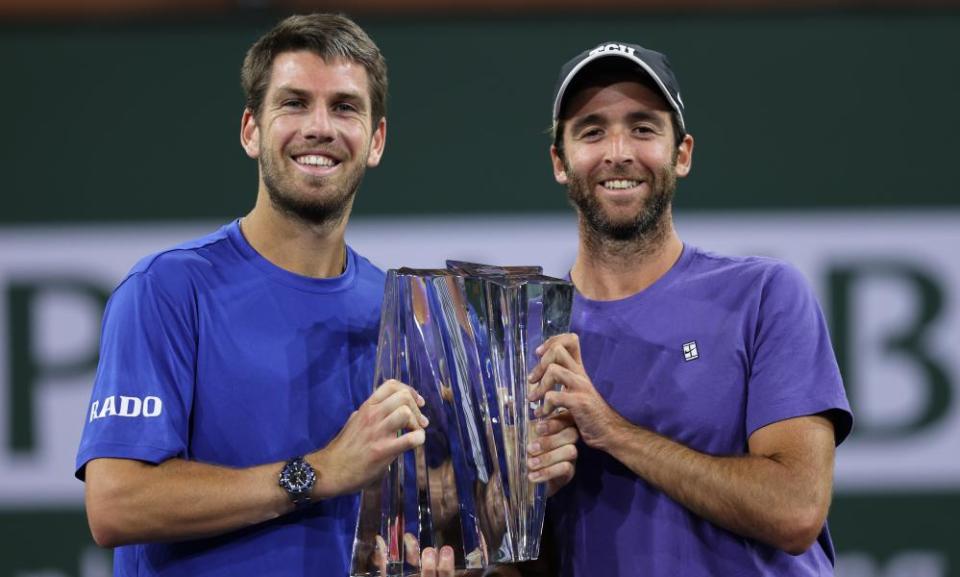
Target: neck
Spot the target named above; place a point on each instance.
(293, 244)
(608, 269)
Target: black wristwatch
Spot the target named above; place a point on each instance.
(297, 478)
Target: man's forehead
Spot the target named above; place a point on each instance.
(306, 70)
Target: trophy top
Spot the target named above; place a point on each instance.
(474, 268)
(504, 276)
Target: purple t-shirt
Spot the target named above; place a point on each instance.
(714, 350)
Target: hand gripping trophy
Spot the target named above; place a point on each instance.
(464, 337)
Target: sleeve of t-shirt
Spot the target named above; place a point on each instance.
(141, 399)
(794, 370)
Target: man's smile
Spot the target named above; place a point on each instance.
(316, 164)
(620, 184)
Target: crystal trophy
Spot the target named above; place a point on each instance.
(464, 337)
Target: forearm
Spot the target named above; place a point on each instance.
(130, 501)
(771, 498)
(778, 493)
(134, 502)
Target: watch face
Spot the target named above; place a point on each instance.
(298, 476)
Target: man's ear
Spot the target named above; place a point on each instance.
(684, 156)
(250, 134)
(559, 170)
(378, 140)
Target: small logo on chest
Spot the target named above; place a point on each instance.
(690, 352)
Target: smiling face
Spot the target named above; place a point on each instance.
(620, 161)
(314, 136)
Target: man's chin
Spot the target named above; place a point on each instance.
(316, 213)
(623, 228)
(315, 208)
(620, 233)
(620, 221)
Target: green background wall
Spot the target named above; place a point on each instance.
(108, 122)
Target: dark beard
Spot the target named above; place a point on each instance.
(325, 211)
(646, 226)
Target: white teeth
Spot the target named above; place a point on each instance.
(620, 184)
(315, 160)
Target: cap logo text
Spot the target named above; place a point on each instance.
(613, 48)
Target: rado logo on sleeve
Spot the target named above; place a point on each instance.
(121, 406)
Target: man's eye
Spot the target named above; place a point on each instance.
(344, 107)
(293, 103)
(591, 133)
(642, 129)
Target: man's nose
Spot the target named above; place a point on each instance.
(619, 150)
(319, 125)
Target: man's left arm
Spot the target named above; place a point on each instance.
(777, 493)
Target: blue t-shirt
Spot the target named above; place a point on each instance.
(211, 353)
(714, 350)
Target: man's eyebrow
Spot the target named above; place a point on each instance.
(648, 116)
(285, 91)
(354, 98)
(588, 120)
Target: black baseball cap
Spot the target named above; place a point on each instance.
(649, 62)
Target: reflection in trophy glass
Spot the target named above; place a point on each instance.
(465, 338)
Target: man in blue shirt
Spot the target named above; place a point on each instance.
(231, 423)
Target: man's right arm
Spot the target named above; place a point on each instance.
(130, 501)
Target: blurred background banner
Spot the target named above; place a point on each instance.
(826, 135)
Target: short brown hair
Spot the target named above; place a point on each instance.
(328, 36)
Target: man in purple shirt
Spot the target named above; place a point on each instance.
(704, 387)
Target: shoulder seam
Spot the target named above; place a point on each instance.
(153, 258)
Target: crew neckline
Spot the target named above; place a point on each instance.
(285, 277)
(686, 257)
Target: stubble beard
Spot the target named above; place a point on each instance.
(642, 233)
(288, 197)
